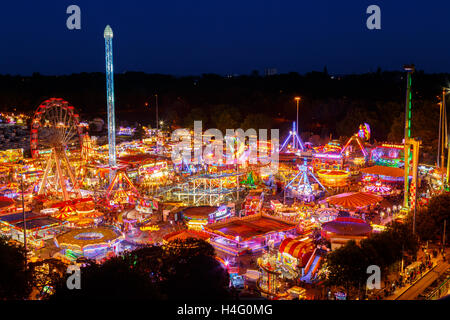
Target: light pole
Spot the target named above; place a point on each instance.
(442, 141)
(156, 98)
(443, 238)
(297, 99)
(23, 216)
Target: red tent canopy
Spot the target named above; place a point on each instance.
(6, 202)
(354, 200)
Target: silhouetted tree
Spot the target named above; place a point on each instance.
(15, 282)
(114, 279)
(430, 222)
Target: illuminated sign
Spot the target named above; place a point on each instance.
(327, 156)
(390, 145)
(150, 228)
(152, 167)
(221, 213)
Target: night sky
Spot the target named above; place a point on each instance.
(224, 37)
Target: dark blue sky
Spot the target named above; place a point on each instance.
(225, 37)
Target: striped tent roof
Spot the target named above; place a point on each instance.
(68, 209)
(61, 215)
(294, 247)
(354, 200)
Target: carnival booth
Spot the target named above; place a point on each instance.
(344, 229)
(39, 227)
(328, 157)
(252, 204)
(296, 211)
(238, 236)
(198, 217)
(146, 206)
(275, 205)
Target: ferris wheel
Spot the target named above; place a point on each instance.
(55, 126)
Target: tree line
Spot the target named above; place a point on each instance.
(333, 105)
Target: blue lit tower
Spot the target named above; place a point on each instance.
(108, 35)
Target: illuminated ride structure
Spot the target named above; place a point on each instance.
(443, 132)
(121, 190)
(300, 186)
(388, 154)
(360, 143)
(55, 126)
(334, 178)
(108, 35)
(362, 135)
(293, 142)
(269, 282)
(443, 141)
(412, 147)
(87, 154)
(378, 188)
(207, 189)
(328, 157)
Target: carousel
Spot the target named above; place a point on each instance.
(378, 188)
(91, 243)
(333, 178)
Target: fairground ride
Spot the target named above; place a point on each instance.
(293, 142)
(55, 127)
(208, 189)
(301, 187)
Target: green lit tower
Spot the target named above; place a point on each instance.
(408, 155)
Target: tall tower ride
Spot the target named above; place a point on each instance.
(409, 69)
(108, 35)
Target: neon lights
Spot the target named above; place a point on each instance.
(327, 156)
(297, 141)
(408, 154)
(360, 144)
(378, 188)
(334, 178)
(303, 187)
(391, 145)
(364, 131)
(150, 228)
(126, 131)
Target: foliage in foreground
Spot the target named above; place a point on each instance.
(188, 270)
(14, 280)
(347, 265)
